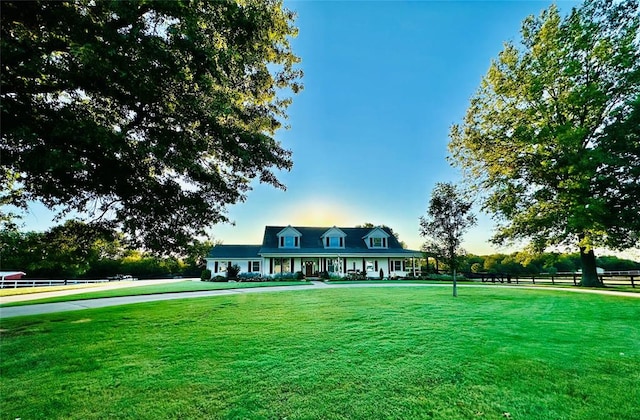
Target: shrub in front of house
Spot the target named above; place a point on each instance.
(219, 278)
(206, 275)
(299, 275)
(251, 277)
(285, 276)
(233, 271)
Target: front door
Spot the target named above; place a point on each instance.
(308, 268)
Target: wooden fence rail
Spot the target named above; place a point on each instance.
(14, 284)
(573, 279)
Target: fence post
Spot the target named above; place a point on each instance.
(533, 279)
(517, 280)
(574, 279)
(632, 283)
(552, 281)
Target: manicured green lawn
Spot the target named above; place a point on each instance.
(170, 287)
(361, 353)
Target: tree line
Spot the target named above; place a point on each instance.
(80, 250)
(523, 263)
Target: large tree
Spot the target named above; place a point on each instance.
(152, 115)
(448, 218)
(552, 137)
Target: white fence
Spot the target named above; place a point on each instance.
(14, 284)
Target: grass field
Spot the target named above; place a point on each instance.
(169, 287)
(372, 353)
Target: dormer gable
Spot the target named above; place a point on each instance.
(377, 238)
(333, 238)
(289, 237)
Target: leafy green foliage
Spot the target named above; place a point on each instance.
(153, 115)
(524, 263)
(206, 275)
(233, 271)
(79, 250)
(552, 135)
(448, 218)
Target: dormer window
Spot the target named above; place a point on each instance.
(289, 237)
(289, 242)
(377, 242)
(334, 242)
(333, 238)
(377, 238)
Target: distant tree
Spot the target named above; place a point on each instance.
(553, 134)
(492, 263)
(613, 263)
(448, 218)
(195, 255)
(68, 250)
(153, 115)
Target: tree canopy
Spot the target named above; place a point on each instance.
(448, 219)
(552, 136)
(151, 116)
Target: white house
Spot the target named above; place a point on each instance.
(312, 250)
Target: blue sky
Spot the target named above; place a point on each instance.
(384, 81)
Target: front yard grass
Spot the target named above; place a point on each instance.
(360, 353)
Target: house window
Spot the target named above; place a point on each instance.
(396, 265)
(369, 266)
(281, 265)
(376, 242)
(334, 242)
(289, 242)
(255, 266)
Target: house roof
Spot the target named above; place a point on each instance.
(234, 251)
(311, 244)
(312, 237)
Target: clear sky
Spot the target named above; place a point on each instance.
(384, 81)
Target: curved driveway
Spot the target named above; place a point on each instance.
(77, 305)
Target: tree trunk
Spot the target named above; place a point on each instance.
(453, 265)
(589, 273)
(455, 284)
